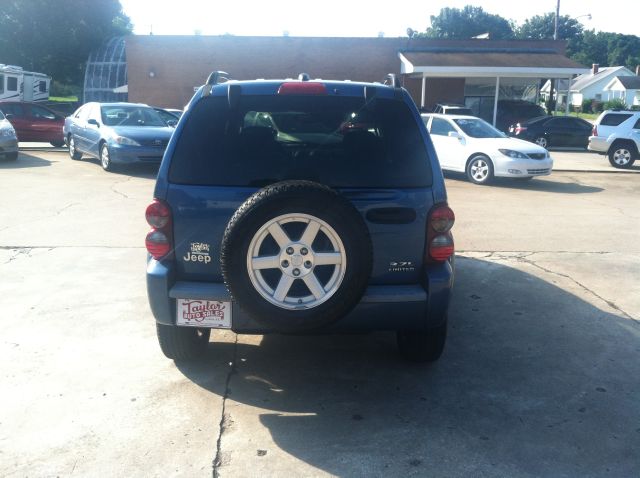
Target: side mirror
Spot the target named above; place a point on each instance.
(8, 116)
(93, 122)
(172, 123)
(454, 134)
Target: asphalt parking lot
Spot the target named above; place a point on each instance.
(539, 376)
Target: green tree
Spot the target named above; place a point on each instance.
(592, 47)
(607, 49)
(542, 26)
(56, 37)
(470, 21)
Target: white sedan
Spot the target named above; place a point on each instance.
(471, 145)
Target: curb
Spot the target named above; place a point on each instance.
(604, 171)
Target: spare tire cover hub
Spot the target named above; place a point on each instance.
(297, 260)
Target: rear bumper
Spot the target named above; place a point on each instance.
(598, 144)
(383, 307)
(8, 145)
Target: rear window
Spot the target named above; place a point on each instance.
(331, 140)
(530, 110)
(614, 119)
(458, 111)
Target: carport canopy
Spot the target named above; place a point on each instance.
(483, 62)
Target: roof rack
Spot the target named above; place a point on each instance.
(392, 80)
(214, 79)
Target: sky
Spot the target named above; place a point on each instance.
(364, 18)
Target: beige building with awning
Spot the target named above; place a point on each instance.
(482, 73)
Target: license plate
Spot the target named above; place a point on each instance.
(203, 313)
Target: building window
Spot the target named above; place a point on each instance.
(599, 97)
(43, 86)
(12, 83)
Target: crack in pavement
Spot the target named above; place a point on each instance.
(56, 213)
(225, 420)
(23, 251)
(113, 187)
(525, 257)
(88, 246)
(491, 253)
(610, 303)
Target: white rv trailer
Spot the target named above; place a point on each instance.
(17, 84)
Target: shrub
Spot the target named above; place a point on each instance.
(597, 106)
(62, 89)
(615, 104)
(587, 105)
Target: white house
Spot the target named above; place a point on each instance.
(588, 85)
(627, 88)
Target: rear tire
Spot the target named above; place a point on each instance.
(422, 345)
(57, 144)
(622, 155)
(73, 152)
(182, 343)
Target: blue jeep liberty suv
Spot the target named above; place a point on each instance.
(299, 206)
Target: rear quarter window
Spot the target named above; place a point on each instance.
(614, 119)
(331, 140)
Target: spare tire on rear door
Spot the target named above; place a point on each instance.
(296, 256)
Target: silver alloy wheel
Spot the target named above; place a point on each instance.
(622, 156)
(105, 160)
(296, 261)
(479, 170)
(542, 141)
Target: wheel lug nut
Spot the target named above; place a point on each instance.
(289, 250)
(307, 264)
(285, 263)
(304, 251)
(296, 272)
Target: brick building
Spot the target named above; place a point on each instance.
(164, 70)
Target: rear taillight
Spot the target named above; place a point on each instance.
(157, 244)
(440, 245)
(302, 88)
(519, 128)
(594, 131)
(159, 240)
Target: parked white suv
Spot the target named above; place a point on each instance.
(617, 134)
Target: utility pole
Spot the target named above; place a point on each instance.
(555, 26)
(552, 81)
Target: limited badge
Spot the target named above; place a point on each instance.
(199, 253)
(401, 266)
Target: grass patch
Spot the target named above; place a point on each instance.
(64, 99)
(586, 116)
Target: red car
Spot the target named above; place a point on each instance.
(34, 122)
